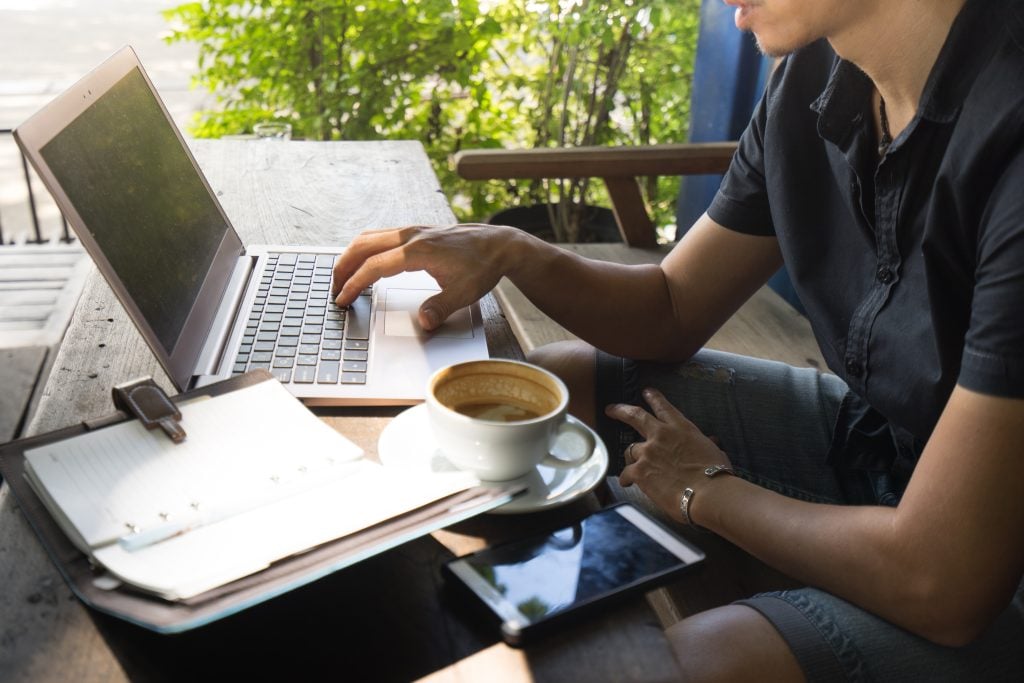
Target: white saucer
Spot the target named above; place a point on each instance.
(408, 442)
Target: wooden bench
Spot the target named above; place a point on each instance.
(39, 287)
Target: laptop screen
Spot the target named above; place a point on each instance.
(140, 198)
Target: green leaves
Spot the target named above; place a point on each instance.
(454, 74)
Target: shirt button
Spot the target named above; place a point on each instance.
(884, 275)
(853, 368)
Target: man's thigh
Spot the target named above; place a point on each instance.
(774, 421)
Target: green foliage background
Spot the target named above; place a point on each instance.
(454, 74)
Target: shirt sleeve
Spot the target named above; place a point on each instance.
(993, 355)
(741, 203)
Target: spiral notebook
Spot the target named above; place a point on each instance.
(261, 497)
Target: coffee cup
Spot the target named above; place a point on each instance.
(501, 418)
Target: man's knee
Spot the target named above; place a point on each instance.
(574, 362)
(732, 643)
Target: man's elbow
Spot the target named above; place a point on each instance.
(954, 617)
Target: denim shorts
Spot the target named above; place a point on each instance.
(777, 423)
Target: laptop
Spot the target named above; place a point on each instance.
(208, 306)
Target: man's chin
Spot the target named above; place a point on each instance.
(775, 49)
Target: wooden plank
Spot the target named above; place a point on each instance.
(27, 297)
(595, 162)
(31, 273)
(19, 372)
(42, 325)
(635, 225)
(28, 313)
(35, 286)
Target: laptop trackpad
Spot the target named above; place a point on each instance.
(401, 308)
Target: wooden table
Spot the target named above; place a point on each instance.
(388, 618)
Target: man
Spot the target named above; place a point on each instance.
(885, 166)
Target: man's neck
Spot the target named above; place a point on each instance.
(896, 45)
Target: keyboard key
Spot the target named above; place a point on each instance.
(309, 349)
(259, 366)
(353, 366)
(270, 327)
(272, 317)
(266, 336)
(358, 319)
(290, 330)
(288, 258)
(333, 334)
(239, 368)
(284, 362)
(310, 339)
(316, 310)
(356, 345)
(307, 360)
(288, 341)
(331, 344)
(304, 374)
(327, 373)
(329, 354)
(285, 351)
(261, 357)
(355, 355)
(314, 320)
(283, 375)
(353, 378)
(325, 260)
(334, 325)
(312, 329)
(263, 346)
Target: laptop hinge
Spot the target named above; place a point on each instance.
(218, 338)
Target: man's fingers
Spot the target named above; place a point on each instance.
(437, 308)
(626, 476)
(366, 246)
(662, 408)
(635, 416)
(374, 268)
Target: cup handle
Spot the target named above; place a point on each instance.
(584, 433)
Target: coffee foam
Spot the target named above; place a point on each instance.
(513, 385)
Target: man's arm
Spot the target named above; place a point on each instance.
(661, 312)
(942, 564)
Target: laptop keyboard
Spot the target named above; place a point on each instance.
(297, 333)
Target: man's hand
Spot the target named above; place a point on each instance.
(673, 455)
(466, 260)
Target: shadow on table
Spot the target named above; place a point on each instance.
(385, 619)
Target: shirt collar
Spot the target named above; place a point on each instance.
(842, 105)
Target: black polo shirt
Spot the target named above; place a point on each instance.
(911, 267)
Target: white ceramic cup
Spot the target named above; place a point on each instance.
(500, 418)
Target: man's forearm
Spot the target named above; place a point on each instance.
(626, 310)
